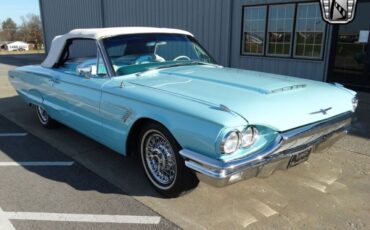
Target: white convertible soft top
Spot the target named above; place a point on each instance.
(59, 42)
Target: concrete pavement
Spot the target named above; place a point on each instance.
(329, 191)
(41, 188)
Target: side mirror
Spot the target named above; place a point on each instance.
(86, 71)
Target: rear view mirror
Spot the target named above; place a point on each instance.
(155, 43)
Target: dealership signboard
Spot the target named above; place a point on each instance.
(338, 11)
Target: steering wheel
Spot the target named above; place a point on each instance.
(182, 57)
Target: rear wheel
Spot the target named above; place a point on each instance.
(163, 165)
(45, 119)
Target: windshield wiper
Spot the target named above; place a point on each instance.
(179, 64)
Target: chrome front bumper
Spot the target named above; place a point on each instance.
(314, 137)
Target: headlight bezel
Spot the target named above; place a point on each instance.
(225, 139)
(239, 134)
(253, 131)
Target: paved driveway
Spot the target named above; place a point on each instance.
(329, 191)
(41, 188)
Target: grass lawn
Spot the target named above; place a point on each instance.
(5, 52)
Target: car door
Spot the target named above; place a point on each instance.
(77, 85)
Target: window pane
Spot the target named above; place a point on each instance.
(100, 68)
(310, 29)
(82, 49)
(135, 53)
(262, 12)
(254, 20)
(310, 25)
(280, 27)
(320, 25)
(273, 13)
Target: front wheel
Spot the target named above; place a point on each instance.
(45, 119)
(163, 165)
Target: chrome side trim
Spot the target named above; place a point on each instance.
(313, 137)
(287, 88)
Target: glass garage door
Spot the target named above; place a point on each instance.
(352, 54)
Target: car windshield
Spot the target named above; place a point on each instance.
(139, 53)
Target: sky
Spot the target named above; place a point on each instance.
(15, 9)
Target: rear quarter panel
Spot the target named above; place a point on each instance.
(31, 82)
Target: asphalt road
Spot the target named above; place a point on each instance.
(38, 181)
(329, 191)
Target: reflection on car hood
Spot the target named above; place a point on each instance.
(277, 101)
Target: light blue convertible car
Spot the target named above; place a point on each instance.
(157, 93)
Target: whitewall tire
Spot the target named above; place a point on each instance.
(44, 118)
(162, 164)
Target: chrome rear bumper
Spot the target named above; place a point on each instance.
(314, 137)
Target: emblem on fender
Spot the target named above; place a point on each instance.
(323, 111)
(338, 11)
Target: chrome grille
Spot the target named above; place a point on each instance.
(306, 135)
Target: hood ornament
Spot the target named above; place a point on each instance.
(224, 108)
(323, 111)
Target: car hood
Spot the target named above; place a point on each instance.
(276, 101)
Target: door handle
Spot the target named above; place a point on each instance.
(54, 80)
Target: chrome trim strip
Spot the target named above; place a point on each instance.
(282, 89)
(307, 129)
(285, 145)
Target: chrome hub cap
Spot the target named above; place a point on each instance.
(160, 158)
(43, 115)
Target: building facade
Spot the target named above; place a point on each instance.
(279, 36)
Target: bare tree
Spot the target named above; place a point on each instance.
(2, 38)
(9, 28)
(31, 30)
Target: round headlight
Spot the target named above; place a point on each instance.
(354, 103)
(249, 136)
(231, 142)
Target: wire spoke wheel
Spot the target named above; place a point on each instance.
(45, 119)
(162, 163)
(160, 160)
(43, 115)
